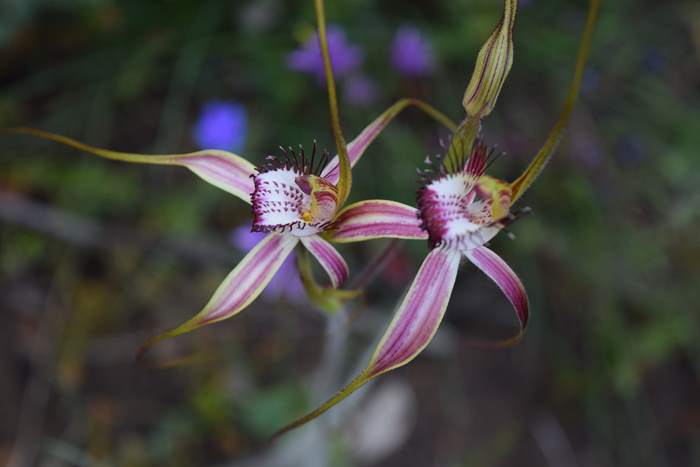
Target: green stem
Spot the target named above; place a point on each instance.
(432, 112)
(523, 182)
(354, 385)
(106, 153)
(345, 179)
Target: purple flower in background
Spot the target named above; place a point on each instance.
(221, 125)
(653, 61)
(286, 283)
(345, 56)
(360, 90)
(411, 54)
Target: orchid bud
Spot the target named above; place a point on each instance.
(492, 66)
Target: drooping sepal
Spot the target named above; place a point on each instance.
(412, 328)
(372, 219)
(222, 169)
(241, 286)
(508, 281)
(492, 66)
(329, 258)
(420, 313)
(328, 299)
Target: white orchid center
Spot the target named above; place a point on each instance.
(463, 209)
(290, 197)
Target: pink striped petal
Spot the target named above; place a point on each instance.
(356, 148)
(222, 169)
(498, 270)
(242, 285)
(412, 328)
(377, 218)
(329, 258)
(419, 314)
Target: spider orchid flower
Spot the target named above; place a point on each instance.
(294, 198)
(459, 210)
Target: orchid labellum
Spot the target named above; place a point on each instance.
(459, 210)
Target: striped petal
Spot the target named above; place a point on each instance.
(222, 169)
(412, 328)
(419, 314)
(241, 286)
(329, 258)
(498, 270)
(357, 147)
(377, 218)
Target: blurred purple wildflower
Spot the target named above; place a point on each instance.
(360, 90)
(345, 56)
(411, 53)
(221, 125)
(286, 283)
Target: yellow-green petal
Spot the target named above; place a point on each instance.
(222, 169)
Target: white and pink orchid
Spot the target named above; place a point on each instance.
(297, 200)
(459, 210)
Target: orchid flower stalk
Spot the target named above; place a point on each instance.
(296, 198)
(459, 210)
